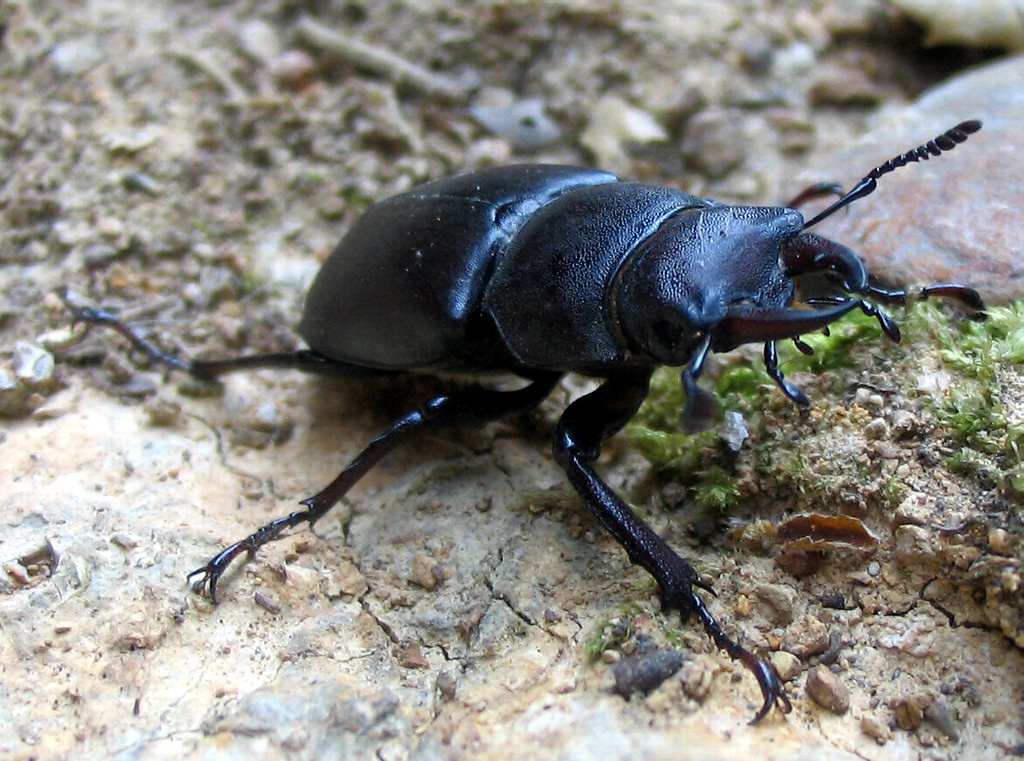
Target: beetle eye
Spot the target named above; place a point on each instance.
(666, 336)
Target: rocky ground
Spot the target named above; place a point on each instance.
(191, 164)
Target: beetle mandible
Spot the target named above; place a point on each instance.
(540, 270)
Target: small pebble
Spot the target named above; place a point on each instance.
(413, 658)
(904, 421)
(785, 664)
(714, 142)
(294, 69)
(98, 254)
(75, 56)
(615, 124)
(940, 714)
(756, 54)
(876, 429)
(734, 430)
(139, 182)
(266, 602)
(32, 365)
(258, 40)
(874, 727)
(525, 123)
(779, 601)
(805, 637)
(643, 672)
(15, 399)
(827, 690)
(163, 412)
(447, 684)
(422, 572)
(910, 711)
(698, 677)
(62, 338)
(999, 541)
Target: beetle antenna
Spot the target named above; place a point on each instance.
(947, 141)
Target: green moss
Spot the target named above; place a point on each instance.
(976, 348)
(249, 282)
(972, 411)
(893, 492)
(612, 633)
(973, 416)
(716, 489)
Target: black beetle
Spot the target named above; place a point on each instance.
(541, 270)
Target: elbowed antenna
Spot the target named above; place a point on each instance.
(947, 141)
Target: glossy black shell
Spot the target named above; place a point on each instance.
(504, 269)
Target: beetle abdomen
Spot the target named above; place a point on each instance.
(402, 289)
(555, 278)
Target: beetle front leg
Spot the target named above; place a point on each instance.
(583, 427)
(466, 406)
(700, 406)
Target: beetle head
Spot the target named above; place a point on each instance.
(832, 282)
(696, 269)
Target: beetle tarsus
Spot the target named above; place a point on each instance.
(211, 572)
(92, 316)
(771, 365)
(817, 190)
(773, 692)
(969, 297)
(885, 321)
(804, 348)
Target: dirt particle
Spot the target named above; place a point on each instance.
(293, 69)
(714, 142)
(876, 429)
(163, 412)
(785, 664)
(940, 714)
(447, 684)
(266, 602)
(909, 711)
(422, 573)
(643, 672)
(778, 602)
(698, 677)
(805, 637)
(875, 727)
(412, 657)
(999, 541)
(828, 690)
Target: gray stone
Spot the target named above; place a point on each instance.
(956, 218)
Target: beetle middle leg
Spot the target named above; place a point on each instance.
(584, 426)
(469, 405)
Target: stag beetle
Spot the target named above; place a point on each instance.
(542, 270)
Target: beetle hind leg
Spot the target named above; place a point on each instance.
(465, 406)
(583, 427)
(304, 360)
